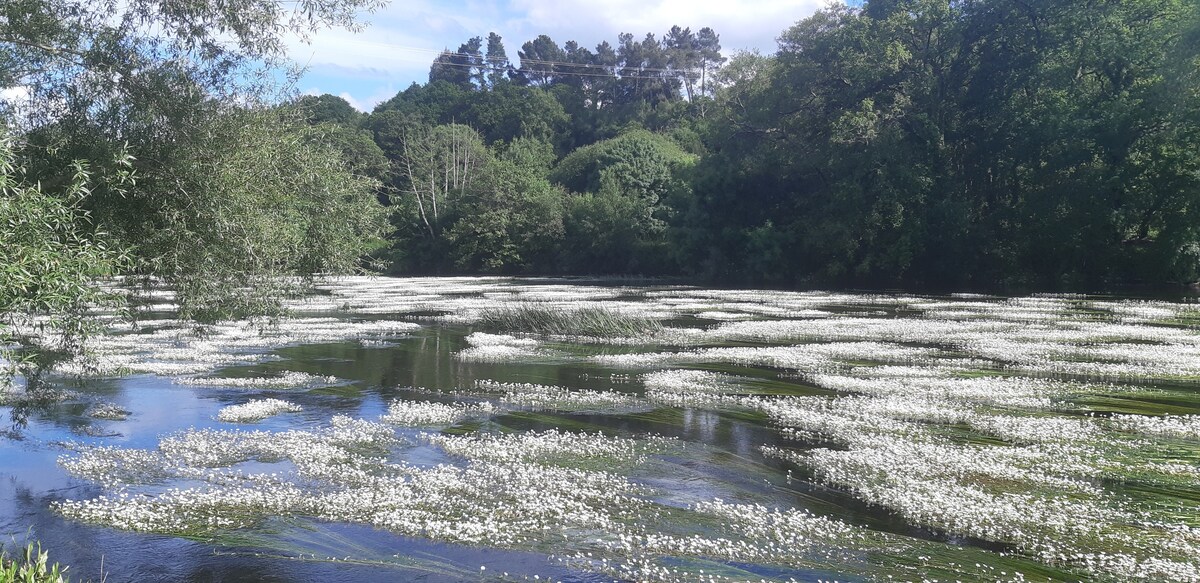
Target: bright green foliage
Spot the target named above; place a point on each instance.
(638, 163)
(97, 57)
(50, 263)
(318, 109)
(435, 168)
(953, 143)
(602, 236)
(512, 222)
(510, 112)
(501, 114)
(618, 223)
(229, 226)
(33, 567)
(228, 197)
(461, 206)
(439, 102)
(357, 148)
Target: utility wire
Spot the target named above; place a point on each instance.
(610, 75)
(524, 61)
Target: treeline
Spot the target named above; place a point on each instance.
(919, 142)
(142, 140)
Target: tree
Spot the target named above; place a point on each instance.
(49, 265)
(541, 60)
(95, 58)
(318, 109)
(683, 57)
(436, 168)
(512, 221)
(952, 143)
(230, 227)
(496, 61)
(617, 221)
(708, 44)
(465, 68)
(511, 112)
(164, 81)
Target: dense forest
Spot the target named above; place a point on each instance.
(921, 142)
(1047, 145)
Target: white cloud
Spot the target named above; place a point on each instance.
(741, 24)
(369, 102)
(406, 36)
(402, 40)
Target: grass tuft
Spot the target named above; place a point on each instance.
(596, 322)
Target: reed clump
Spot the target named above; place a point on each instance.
(592, 321)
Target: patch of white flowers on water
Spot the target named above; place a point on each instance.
(1041, 495)
(498, 348)
(179, 350)
(954, 413)
(554, 398)
(1173, 426)
(690, 388)
(514, 490)
(108, 412)
(803, 357)
(416, 413)
(256, 410)
(996, 391)
(1022, 429)
(749, 534)
(553, 446)
(287, 380)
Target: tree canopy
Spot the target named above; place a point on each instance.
(913, 142)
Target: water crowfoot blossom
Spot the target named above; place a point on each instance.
(412, 413)
(256, 410)
(1061, 428)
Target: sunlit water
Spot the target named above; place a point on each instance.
(382, 434)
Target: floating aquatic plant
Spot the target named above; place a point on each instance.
(964, 415)
(414, 413)
(256, 410)
(498, 348)
(553, 398)
(287, 380)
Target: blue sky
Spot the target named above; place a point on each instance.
(402, 39)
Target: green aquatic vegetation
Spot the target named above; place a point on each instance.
(256, 410)
(553, 398)
(417, 413)
(108, 412)
(553, 447)
(964, 417)
(31, 566)
(534, 318)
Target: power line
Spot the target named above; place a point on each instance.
(692, 74)
(523, 61)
